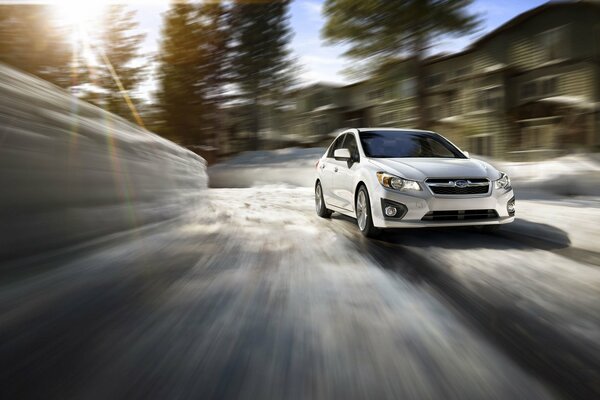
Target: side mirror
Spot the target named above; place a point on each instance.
(466, 153)
(342, 154)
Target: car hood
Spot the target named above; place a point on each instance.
(419, 169)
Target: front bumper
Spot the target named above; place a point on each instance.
(418, 204)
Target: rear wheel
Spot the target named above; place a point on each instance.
(363, 213)
(322, 211)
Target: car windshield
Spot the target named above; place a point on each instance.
(401, 144)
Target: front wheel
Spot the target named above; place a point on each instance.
(363, 214)
(322, 211)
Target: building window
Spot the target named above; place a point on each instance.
(408, 88)
(549, 86)
(435, 79)
(554, 43)
(320, 99)
(489, 99)
(481, 145)
(537, 137)
(376, 94)
(320, 126)
(529, 90)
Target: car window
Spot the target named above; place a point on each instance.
(352, 146)
(337, 144)
(398, 144)
(438, 149)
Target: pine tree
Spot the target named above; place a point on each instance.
(261, 61)
(380, 30)
(118, 50)
(181, 107)
(214, 72)
(194, 71)
(31, 42)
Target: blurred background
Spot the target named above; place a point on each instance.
(157, 229)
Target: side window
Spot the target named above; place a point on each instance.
(337, 144)
(352, 146)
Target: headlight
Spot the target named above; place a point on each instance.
(503, 182)
(397, 183)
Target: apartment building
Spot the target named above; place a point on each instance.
(529, 89)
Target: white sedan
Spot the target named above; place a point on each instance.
(396, 178)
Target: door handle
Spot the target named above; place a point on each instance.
(334, 169)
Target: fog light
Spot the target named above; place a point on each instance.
(510, 207)
(390, 211)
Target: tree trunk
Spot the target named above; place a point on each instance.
(419, 55)
(255, 123)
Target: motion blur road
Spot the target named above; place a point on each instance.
(256, 297)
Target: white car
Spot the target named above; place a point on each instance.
(397, 178)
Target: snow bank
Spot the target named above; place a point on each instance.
(573, 175)
(289, 167)
(71, 172)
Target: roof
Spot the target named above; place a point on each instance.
(393, 129)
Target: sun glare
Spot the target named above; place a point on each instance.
(78, 13)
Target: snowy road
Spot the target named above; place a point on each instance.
(256, 297)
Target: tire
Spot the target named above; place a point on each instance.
(364, 219)
(320, 207)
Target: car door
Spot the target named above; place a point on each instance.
(327, 169)
(343, 175)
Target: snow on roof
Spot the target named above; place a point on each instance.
(494, 67)
(451, 120)
(326, 107)
(573, 101)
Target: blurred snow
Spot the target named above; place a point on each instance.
(70, 171)
(572, 175)
(289, 167)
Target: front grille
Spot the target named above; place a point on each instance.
(456, 190)
(460, 215)
(458, 186)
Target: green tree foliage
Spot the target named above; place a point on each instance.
(117, 50)
(193, 71)
(379, 30)
(180, 108)
(261, 63)
(30, 41)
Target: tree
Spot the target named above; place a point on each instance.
(379, 30)
(117, 49)
(29, 41)
(194, 71)
(261, 64)
(214, 25)
(181, 108)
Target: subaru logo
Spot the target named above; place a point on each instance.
(461, 183)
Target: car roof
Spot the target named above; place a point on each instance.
(393, 129)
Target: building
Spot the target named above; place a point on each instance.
(529, 89)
